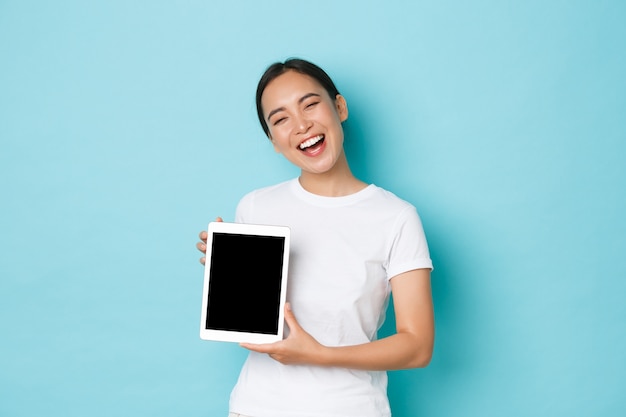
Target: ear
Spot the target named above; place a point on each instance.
(342, 107)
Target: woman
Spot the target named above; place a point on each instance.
(352, 244)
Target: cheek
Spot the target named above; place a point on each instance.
(280, 133)
(279, 139)
(331, 116)
(275, 145)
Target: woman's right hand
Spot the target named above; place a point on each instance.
(201, 246)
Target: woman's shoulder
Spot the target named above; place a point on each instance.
(261, 199)
(389, 198)
(271, 191)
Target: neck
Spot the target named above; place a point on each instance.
(337, 182)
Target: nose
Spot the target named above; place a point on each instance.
(303, 124)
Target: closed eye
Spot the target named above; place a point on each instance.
(279, 120)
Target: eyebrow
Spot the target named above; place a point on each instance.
(304, 97)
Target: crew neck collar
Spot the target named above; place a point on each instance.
(326, 201)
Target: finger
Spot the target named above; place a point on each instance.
(290, 318)
(260, 348)
(201, 246)
(219, 219)
(203, 260)
(203, 235)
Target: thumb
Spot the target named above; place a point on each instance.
(290, 318)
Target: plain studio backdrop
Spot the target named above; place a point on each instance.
(126, 126)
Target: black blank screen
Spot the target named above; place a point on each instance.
(244, 285)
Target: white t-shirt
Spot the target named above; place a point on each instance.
(343, 252)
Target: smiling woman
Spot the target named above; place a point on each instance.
(352, 245)
(305, 127)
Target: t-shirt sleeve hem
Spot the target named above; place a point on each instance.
(409, 266)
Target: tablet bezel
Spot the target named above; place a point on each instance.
(254, 230)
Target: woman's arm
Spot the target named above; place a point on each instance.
(410, 347)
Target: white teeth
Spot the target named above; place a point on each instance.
(310, 142)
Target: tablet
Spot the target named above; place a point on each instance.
(245, 283)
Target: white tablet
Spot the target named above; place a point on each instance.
(245, 283)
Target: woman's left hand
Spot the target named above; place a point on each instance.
(298, 348)
(410, 347)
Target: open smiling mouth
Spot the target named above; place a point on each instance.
(311, 144)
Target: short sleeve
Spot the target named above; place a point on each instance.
(409, 248)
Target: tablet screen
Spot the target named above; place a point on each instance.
(246, 272)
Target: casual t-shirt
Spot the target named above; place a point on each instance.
(344, 251)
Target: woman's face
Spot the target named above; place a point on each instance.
(304, 122)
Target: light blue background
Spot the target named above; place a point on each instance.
(126, 126)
